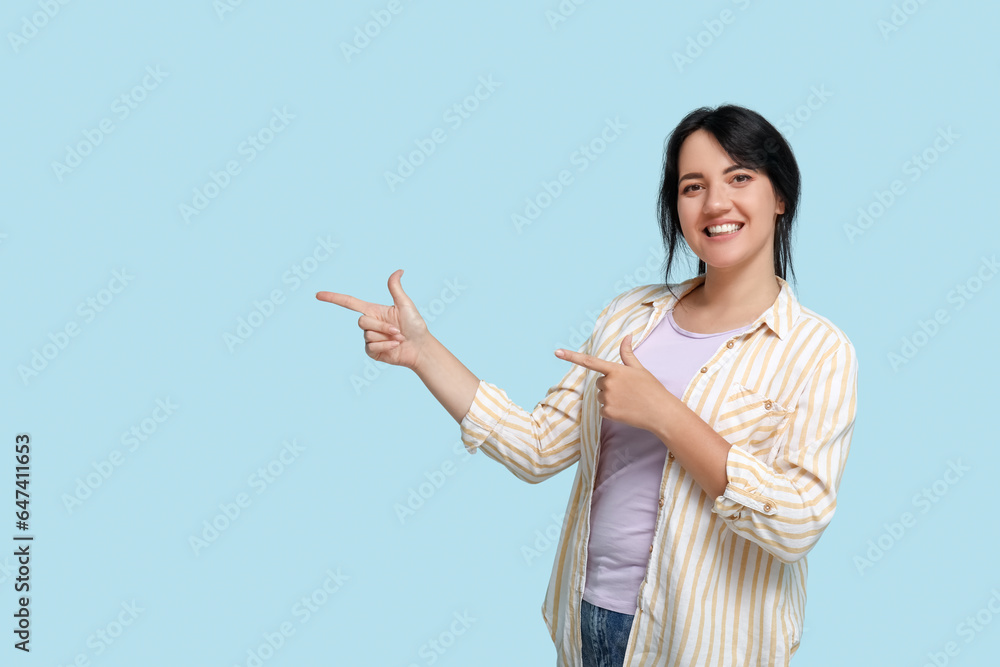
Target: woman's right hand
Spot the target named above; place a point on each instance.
(400, 348)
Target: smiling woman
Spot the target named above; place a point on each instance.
(730, 166)
(711, 419)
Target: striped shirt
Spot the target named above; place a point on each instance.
(726, 578)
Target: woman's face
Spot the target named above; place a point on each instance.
(712, 190)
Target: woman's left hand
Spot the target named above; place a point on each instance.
(627, 392)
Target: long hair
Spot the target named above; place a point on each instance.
(750, 141)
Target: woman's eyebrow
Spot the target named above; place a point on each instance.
(698, 174)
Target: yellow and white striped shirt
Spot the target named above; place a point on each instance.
(726, 579)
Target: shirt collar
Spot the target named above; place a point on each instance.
(779, 317)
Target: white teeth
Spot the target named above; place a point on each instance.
(723, 229)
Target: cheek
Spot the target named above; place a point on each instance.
(689, 235)
(688, 217)
(760, 202)
(687, 206)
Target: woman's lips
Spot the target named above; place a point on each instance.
(722, 237)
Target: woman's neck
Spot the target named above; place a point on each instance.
(721, 303)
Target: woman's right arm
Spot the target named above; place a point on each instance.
(538, 444)
(453, 385)
(532, 445)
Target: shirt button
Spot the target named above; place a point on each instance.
(670, 455)
(767, 507)
(767, 405)
(729, 344)
(704, 369)
(650, 548)
(661, 502)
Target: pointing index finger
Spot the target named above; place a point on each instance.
(348, 301)
(586, 360)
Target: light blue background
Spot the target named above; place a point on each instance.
(520, 296)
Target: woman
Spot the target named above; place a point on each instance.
(711, 418)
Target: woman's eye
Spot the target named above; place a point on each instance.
(748, 178)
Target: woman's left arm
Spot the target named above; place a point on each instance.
(786, 505)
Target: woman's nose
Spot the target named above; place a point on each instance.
(717, 199)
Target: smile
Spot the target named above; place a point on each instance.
(728, 229)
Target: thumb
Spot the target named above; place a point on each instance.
(396, 290)
(628, 356)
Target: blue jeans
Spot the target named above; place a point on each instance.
(605, 635)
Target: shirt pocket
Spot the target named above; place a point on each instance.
(753, 421)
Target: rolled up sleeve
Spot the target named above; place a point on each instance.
(786, 505)
(538, 444)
